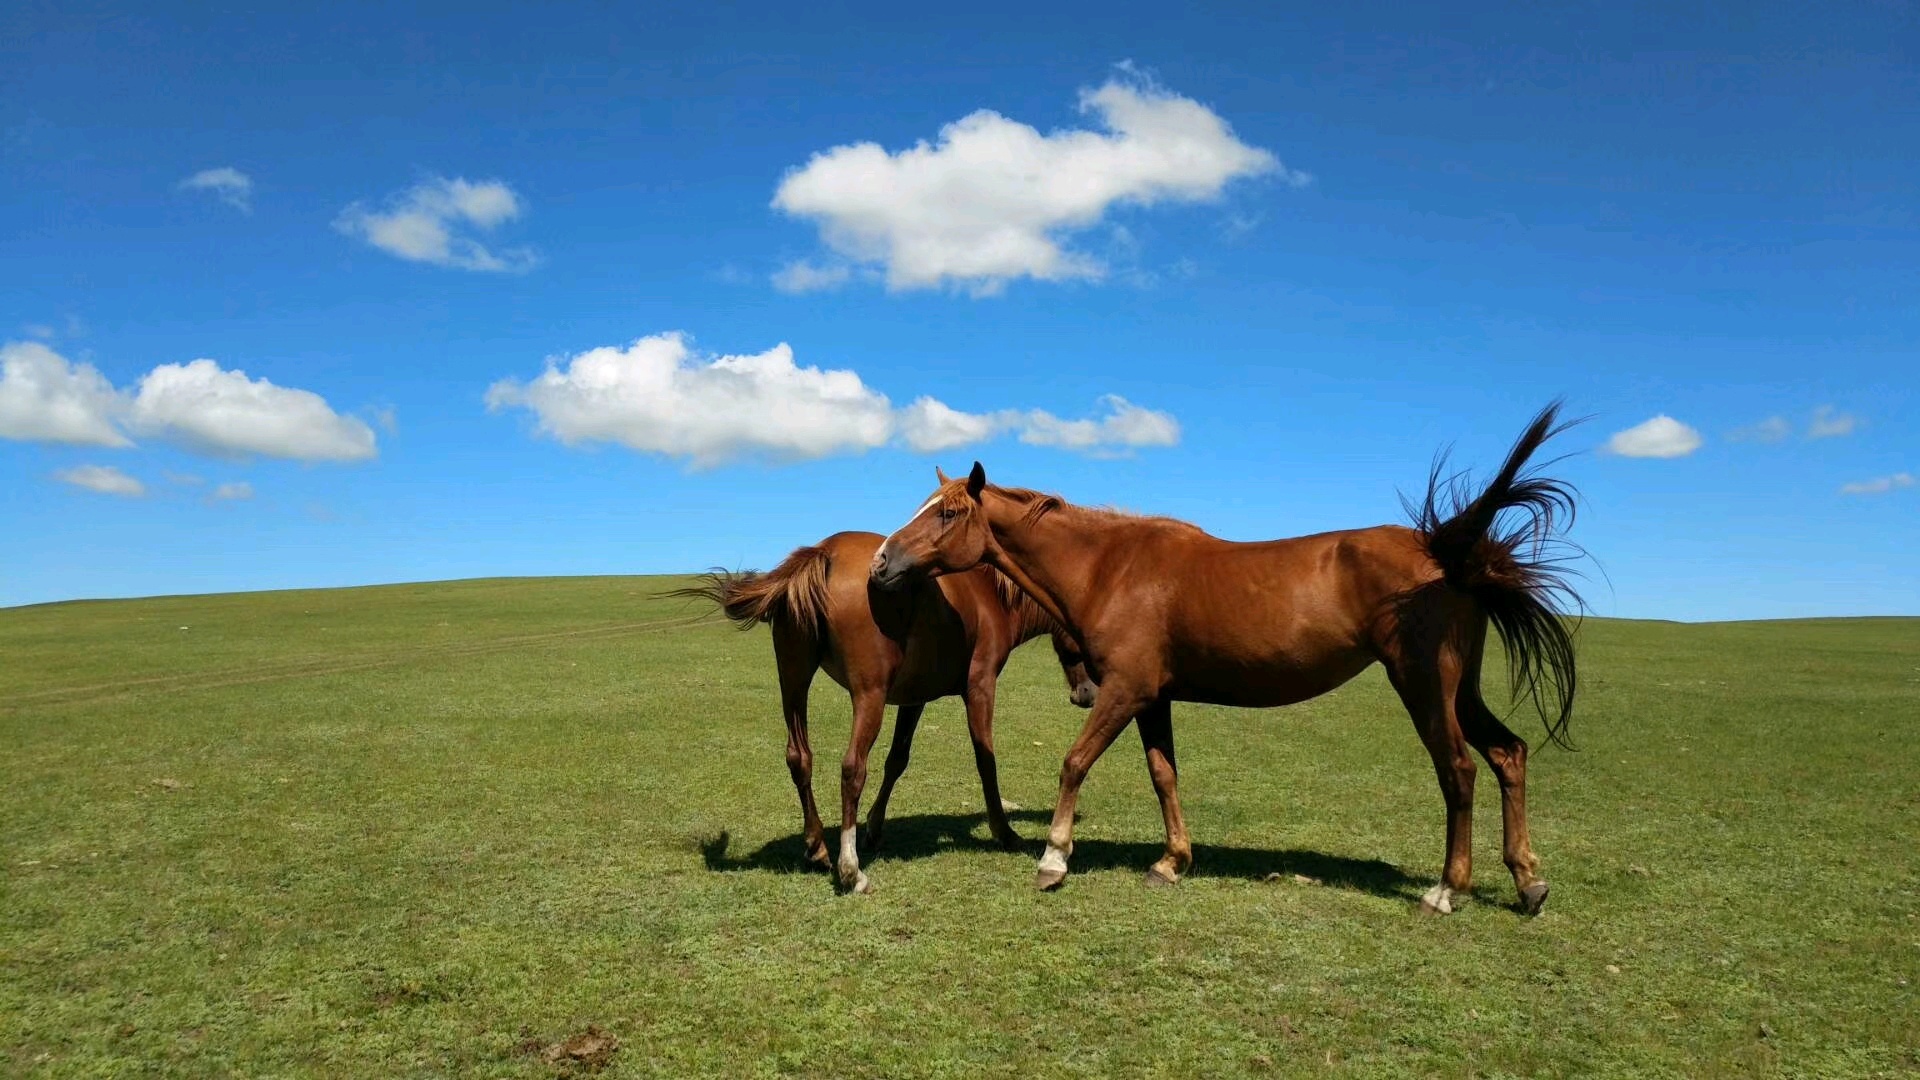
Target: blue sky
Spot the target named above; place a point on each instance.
(1251, 268)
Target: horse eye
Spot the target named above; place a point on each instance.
(948, 514)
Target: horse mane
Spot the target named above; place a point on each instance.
(1027, 612)
(1039, 504)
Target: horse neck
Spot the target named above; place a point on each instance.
(1049, 558)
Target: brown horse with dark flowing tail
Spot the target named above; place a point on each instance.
(1165, 612)
(904, 647)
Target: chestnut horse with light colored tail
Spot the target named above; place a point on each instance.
(904, 647)
(1165, 612)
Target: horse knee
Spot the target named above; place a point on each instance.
(1073, 772)
(853, 771)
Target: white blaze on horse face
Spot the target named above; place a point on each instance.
(917, 515)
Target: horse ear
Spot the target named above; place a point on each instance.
(976, 481)
(941, 473)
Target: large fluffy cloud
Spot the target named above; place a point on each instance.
(660, 396)
(431, 222)
(44, 397)
(1660, 437)
(993, 199)
(221, 412)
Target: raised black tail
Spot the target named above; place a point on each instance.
(1510, 572)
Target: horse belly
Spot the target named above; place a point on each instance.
(1265, 681)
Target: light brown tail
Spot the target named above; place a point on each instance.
(795, 592)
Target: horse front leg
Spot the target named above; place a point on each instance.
(906, 721)
(979, 701)
(1111, 712)
(869, 709)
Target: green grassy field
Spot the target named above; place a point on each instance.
(433, 830)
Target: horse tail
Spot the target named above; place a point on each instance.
(1509, 573)
(795, 593)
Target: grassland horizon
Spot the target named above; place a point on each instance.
(440, 828)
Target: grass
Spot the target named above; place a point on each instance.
(432, 830)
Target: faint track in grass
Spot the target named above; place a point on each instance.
(313, 667)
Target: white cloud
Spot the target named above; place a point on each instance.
(1660, 437)
(226, 414)
(658, 395)
(428, 222)
(1771, 430)
(44, 397)
(1125, 424)
(233, 187)
(104, 479)
(805, 277)
(993, 199)
(1879, 485)
(930, 426)
(39, 330)
(1829, 423)
(235, 491)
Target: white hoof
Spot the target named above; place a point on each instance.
(1008, 806)
(1437, 901)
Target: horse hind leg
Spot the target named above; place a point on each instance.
(797, 658)
(1424, 689)
(906, 721)
(1156, 736)
(1507, 754)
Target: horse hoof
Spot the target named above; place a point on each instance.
(818, 859)
(1009, 840)
(1007, 806)
(871, 842)
(1049, 880)
(1533, 898)
(1158, 879)
(1438, 901)
(860, 886)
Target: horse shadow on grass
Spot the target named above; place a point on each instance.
(920, 836)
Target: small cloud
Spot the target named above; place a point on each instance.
(182, 479)
(1830, 423)
(1879, 485)
(39, 330)
(388, 420)
(1771, 430)
(428, 222)
(232, 492)
(104, 479)
(805, 277)
(1125, 425)
(232, 186)
(1660, 437)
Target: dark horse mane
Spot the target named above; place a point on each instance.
(797, 589)
(1519, 574)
